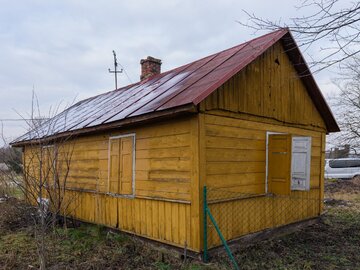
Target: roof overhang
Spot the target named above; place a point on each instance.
(312, 88)
(184, 110)
(184, 98)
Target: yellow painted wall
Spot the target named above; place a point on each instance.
(267, 89)
(163, 161)
(166, 180)
(236, 152)
(235, 167)
(267, 96)
(223, 147)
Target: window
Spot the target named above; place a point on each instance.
(122, 165)
(288, 163)
(344, 163)
(300, 163)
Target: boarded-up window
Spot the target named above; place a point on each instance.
(300, 163)
(122, 164)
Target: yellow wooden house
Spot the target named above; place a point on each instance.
(249, 119)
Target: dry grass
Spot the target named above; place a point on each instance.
(333, 243)
(82, 247)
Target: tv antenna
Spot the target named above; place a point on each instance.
(115, 71)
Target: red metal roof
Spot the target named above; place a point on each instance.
(188, 84)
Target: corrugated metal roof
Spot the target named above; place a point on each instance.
(188, 84)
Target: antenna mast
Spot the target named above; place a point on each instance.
(115, 71)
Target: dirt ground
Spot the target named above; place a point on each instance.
(333, 243)
(343, 186)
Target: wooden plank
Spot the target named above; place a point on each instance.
(279, 163)
(232, 180)
(126, 165)
(182, 224)
(155, 218)
(235, 155)
(188, 225)
(178, 140)
(265, 91)
(163, 129)
(235, 120)
(149, 221)
(197, 181)
(233, 143)
(221, 167)
(163, 195)
(175, 223)
(162, 220)
(170, 152)
(177, 164)
(164, 175)
(138, 215)
(164, 186)
(322, 173)
(234, 132)
(168, 221)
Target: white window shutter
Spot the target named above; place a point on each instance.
(300, 163)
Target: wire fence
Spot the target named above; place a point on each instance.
(231, 215)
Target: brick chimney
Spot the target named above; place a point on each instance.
(149, 67)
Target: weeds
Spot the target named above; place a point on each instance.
(333, 243)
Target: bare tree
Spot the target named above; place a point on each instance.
(347, 105)
(46, 171)
(332, 25)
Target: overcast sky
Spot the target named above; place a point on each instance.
(64, 48)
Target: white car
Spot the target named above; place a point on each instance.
(342, 168)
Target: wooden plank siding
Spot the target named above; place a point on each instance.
(236, 166)
(166, 176)
(223, 147)
(269, 87)
(266, 96)
(239, 217)
(236, 153)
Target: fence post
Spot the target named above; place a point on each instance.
(223, 240)
(205, 255)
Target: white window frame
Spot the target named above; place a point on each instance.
(133, 166)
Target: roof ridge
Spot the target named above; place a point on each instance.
(286, 29)
(238, 48)
(174, 69)
(163, 94)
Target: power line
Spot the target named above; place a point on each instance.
(9, 120)
(21, 119)
(125, 73)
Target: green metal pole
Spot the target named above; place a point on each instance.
(205, 256)
(228, 251)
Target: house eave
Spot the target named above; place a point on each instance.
(186, 109)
